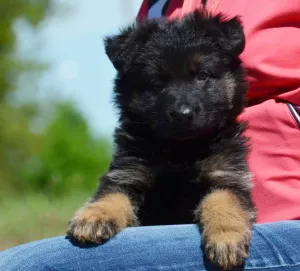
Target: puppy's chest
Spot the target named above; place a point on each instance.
(179, 165)
(176, 191)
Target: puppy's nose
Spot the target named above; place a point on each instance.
(182, 115)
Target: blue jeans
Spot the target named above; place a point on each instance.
(275, 246)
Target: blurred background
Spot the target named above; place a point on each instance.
(56, 116)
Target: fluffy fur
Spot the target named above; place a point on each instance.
(180, 154)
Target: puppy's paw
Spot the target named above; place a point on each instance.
(92, 224)
(98, 221)
(226, 228)
(227, 249)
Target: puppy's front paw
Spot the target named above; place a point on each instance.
(227, 249)
(92, 224)
(98, 221)
(226, 228)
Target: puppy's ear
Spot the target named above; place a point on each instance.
(228, 35)
(121, 49)
(232, 37)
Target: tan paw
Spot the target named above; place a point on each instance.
(97, 222)
(227, 249)
(226, 229)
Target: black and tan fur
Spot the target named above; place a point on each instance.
(180, 153)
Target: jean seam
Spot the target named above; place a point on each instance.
(269, 267)
(166, 267)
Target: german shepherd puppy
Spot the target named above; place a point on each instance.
(180, 153)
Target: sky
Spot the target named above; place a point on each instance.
(72, 44)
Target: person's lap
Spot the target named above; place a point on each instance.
(274, 246)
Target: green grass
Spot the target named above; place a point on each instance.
(32, 217)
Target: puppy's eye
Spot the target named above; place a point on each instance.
(201, 76)
(164, 77)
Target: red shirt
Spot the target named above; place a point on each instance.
(272, 58)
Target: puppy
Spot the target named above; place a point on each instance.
(180, 154)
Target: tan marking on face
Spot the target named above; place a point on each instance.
(196, 59)
(194, 62)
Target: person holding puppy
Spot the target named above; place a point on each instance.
(272, 58)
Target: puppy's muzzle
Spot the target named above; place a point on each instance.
(182, 116)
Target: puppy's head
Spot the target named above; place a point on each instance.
(181, 78)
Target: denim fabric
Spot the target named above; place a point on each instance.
(275, 246)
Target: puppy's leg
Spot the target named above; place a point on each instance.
(226, 214)
(113, 208)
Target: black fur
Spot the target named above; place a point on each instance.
(179, 89)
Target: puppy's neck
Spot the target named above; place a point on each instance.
(141, 130)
